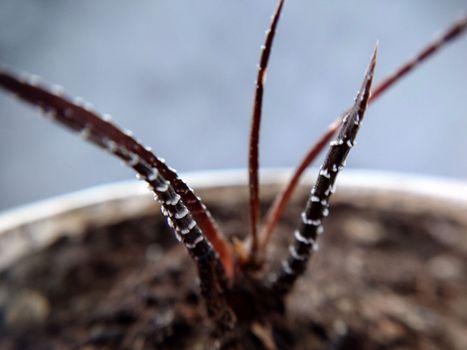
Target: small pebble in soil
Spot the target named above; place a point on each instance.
(388, 331)
(446, 267)
(340, 327)
(154, 252)
(363, 231)
(26, 309)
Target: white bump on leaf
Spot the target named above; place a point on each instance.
(107, 118)
(181, 213)
(293, 252)
(336, 142)
(88, 106)
(78, 101)
(174, 200)
(299, 237)
(163, 187)
(33, 80)
(85, 132)
(110, 145)
(286, 268)
(133, 159)
(188, 228)
(57, 90)
(325, 173)
(152, 175)
(307, 221)
(197, 241)
(50, 114)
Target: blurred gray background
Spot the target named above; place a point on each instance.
(180, 75)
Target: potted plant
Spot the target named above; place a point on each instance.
(122, 283)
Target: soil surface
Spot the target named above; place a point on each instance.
(380, 280)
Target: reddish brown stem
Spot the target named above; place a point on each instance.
(282, 199)
(453, 32)
(253, 154)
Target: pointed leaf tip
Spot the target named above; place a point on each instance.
(364, 92)
(372, 65)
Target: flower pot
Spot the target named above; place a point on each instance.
(100, 270)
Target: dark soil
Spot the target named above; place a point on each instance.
(379, 281)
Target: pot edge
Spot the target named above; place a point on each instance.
(34, 226)
(387, 181)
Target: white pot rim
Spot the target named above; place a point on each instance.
(72, 212)
(360, 179)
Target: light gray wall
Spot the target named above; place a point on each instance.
(180, 75)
